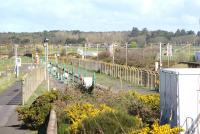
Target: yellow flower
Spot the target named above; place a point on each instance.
(78, 112)
(157, 129)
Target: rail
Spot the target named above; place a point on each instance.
(136, 76)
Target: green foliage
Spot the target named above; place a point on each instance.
(133, 44)
(135, 31)
(35, 115)
(146, 107)
(63, 128)
(131, 111)
(75, 41)
(157, 129)
(109, 123)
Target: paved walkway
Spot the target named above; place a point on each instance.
(9, 100)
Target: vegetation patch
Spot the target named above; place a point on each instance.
(34, 116)
(110, 123)
(101, 112)
(76, 113)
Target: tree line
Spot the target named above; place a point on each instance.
(140, 37)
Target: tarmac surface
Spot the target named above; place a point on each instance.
(9, 100)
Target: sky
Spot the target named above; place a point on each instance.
(98, 15)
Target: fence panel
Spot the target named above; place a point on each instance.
(30, 82)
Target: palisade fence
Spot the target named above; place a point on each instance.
(30, 82)
(136, 76)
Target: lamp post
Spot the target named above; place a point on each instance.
(16, 62)
(46, 61)
(160, 55)
(85, 51)
(97, 52)
(126, 53)
(113, 52)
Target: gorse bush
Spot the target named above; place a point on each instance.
(109, 123)
(35, 115)
(152, 100)
(76, 113)
(157, 129)
(146, 107)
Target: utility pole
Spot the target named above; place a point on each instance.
(97, 52)
(168, 54)
(46, 62)
(189, 52)
(160, 55)
(113, 49)
(16, 62)
(85, 52)
(45, 58)
(126, 53)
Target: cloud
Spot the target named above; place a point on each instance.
(98, 15)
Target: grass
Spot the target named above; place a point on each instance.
(74, 49)
(183, 53)
(38, 92)
(7, 81)
(180, 66)
(6, 64)
(108, 81)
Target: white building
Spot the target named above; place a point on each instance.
(180, 98)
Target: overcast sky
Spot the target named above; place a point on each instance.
(98, 15)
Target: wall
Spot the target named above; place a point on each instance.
(30, 82)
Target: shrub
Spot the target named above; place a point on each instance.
(138, 57)
(105, 56)
(35, 115)
(133, 44)
(145, 106)
(157, 129)
(152, 100)
(109, 123)
(76, 113)
(63, 52)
